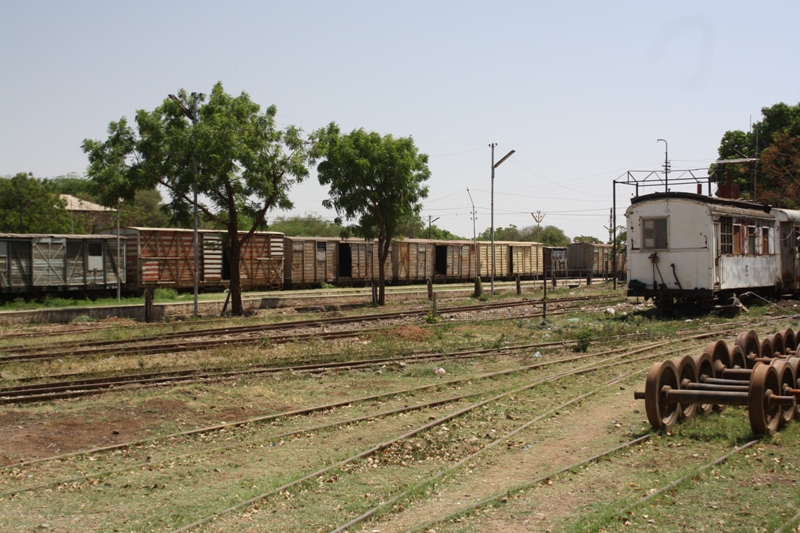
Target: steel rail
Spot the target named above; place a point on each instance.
(325, 407)
(251, 328)
(134, 348)
(386, 444)
(589, 368)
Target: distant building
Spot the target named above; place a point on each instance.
(88, 216)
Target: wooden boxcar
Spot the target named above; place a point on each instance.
(358, 262)
(38, 263)
(583, 258)
(164, 257)
(260, 262)
(525, 259)
(501, 259)
(413, 260)
(416, 260)
(310, 261)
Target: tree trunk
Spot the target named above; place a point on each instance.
(235, 248)
(383, 252)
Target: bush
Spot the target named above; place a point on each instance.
(584, 338)
(162, 294)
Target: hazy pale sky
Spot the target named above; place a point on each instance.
(580, 89)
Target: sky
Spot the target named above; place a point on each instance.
(581, 90)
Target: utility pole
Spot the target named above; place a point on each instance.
(494, 166)
(666, 165)
(538, 216)
(430, 222)
(118, 261)
(474, 237)
(192, 115)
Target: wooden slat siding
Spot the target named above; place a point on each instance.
(19, 254)
(113, 263)
(309, 261)
(261, 260)
(211, 258)
(538, 259)
(320, 261)
(48, 262)
(332, 262)
(75, 261)
(401, 261)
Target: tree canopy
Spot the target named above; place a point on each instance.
(307, 226)
(587, 239)
(243, 164)
(29, 205)
(775, 142)
(376, 181)
(547, 235)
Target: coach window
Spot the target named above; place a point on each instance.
(751, 240)
(737, 239)
(765, 241)
(655, 233)
(726, 235)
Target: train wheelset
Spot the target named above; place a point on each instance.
(761, 376)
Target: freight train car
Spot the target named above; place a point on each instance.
(36, 264)
(310, 261)
(585, 258)
(688, 250)
(164, 257)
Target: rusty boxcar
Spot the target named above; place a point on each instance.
(310, 261)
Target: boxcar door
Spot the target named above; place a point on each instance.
(322, 261)
(48, 262)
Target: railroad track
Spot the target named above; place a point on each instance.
(304, 479)
(253, 334)
(75, 388)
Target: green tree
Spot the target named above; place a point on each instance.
(28, 205)
(587, 239)
(307, 226)
(146, 208)
(375, 180)
(780, 164)
(780, 124)
(245, 165)
(547, 235)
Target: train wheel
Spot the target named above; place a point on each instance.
(720, 359)
(738, 359)
(789, 341)
(661, 414)
(749, 344)
(764, 382)
(786, 377)
(776, 339)
(704, 367)
(766, 348)
(686, 370)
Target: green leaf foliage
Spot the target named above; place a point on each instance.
(29, 205)
(242, 163)
(375, 181)
(307, 226)
(547, 235)
(773, 141)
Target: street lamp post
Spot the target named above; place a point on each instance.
(666, 164)
(494, 166)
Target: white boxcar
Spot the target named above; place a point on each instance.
(687, 249)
